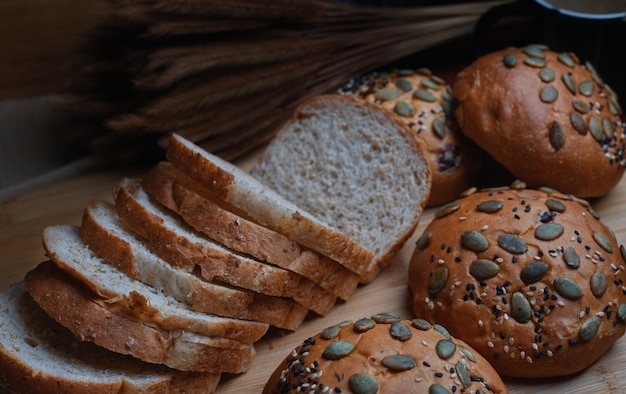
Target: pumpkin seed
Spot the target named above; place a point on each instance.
(467, 353)
(439, 128)
(621, 312)
(593, 213)
(510, 60)
(598, 284)
(364, 324)
(613, 107)
(603, 241)
(589, 328)
(344, 323)
(557, 136)
(534, 51)
(363, 383)
(436, 388)
(445, 348)
(448, 108)
(521, 310)
(424, 71)
(387, 94)
(518, 185)
(534, 62)
(405, 72)
(580, 106)
(567, 288)
(423, 241)
(404, 85)
(609, 128)
(400, 331)
(533, 272)
(447, 209)
(429, 84)
(484, 269)
(421, 324)
(549, 94)
(490, 206)
(464, 377)
(437, 281)
(330, 332)
(571, 258)
(385, 318)
(424, 95)
(512, 243)
(586, 88)
(338, 350)
(404, 109)
(622, 252)
(399, 362)
(569, 83)
(596, 128)
(474, 241)
(549, 231)
(555, 205)
(565, 59)
(578, 123)
(442, 330)
(594, 73)
(546, 74)
(437, 80)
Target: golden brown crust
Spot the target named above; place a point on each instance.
(313, 363)
(424, 104)
(75, 307)
(501, 109)
(509, 299)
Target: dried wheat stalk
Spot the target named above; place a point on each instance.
(226, 73)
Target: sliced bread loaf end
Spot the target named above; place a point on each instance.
(354, 166)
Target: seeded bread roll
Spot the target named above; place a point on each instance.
(547, 118)
(384, 354)
(531, 279)
(424, 103)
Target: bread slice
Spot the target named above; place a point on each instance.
(174, 241)
(235, 186)
(37, 355)
(354, 166)
(178, 192)
(90, 318)
(65, 247)
(102, 231)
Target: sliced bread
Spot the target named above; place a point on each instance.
(102, 231)
(235, 186)
(90, 318)
(354, 166)
(65, 247)
(170, 238)
(37, 355)
(173, 189)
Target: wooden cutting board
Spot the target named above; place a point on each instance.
(23, 219)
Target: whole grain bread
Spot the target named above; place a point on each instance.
(354, 166)
(235, 186)
(188, 198)
(91, 318)
(38, 355)
(102, 231)
(67, 250)
(169, 237)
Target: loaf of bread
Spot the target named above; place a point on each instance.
(531, 279)
(384, 354)
(547, 118)
(357, 168)
(37, 355)
(424, 103)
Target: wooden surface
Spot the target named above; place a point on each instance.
(23, 219)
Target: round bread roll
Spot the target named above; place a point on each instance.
(547, 118)
(384, 354)
(424, 103)
(531, 279)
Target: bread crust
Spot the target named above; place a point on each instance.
(91, 318)
(453, 159)
(547, 306)
(201, 295)
(371, 346)
(501, 109)
(215, 263)
(177, 192)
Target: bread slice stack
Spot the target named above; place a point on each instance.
(188, 267)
